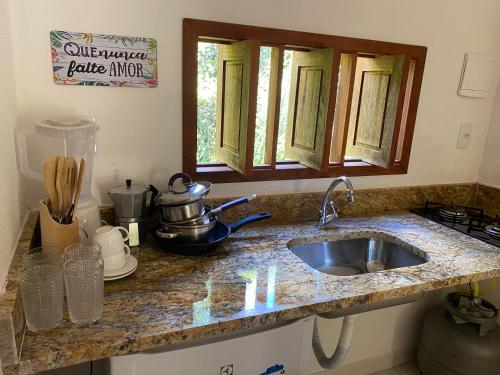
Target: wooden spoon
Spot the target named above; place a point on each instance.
(49, 181)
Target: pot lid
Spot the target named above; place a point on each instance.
(191, 191)
(129, 189)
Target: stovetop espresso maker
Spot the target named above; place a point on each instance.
(130, 205)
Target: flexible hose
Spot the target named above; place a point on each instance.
(343, 344)
(478, 291)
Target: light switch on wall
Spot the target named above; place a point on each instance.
(464, 135)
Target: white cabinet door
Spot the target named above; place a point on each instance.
(283, 350)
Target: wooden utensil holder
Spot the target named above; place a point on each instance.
(54, 234)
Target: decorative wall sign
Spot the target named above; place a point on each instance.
(103, 60)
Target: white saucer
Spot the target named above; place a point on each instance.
(126, 270)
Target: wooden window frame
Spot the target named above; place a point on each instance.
(414, 57)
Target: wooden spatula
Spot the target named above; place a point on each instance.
(49, 181)
(59, 178)
(68, 184)
(70, 217)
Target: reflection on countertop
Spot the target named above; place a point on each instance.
(251, 281)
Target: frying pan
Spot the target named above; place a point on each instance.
(213, 238)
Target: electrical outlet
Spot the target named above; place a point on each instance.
(464, 135)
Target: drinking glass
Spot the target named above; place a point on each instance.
(82, 250)
(42, 289)
(84, 280)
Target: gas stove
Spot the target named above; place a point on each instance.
(468, 220)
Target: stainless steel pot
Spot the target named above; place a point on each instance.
(172, 214)
(198, 228)
(191, 232)
(184, 204)
(211, 212)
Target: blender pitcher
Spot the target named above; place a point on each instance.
(73, 137)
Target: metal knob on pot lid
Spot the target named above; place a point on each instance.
(192, 191)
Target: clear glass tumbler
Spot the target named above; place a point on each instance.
(82, 250)
(84, 279)
(42, 289)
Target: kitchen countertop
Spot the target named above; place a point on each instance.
(251, 281)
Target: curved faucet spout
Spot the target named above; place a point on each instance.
(324, 216)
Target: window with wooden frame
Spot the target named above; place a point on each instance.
(268, 104)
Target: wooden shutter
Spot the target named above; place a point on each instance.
(308, 106)
(373, 109)
(236, 96)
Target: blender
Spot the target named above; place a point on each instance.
(66, 137)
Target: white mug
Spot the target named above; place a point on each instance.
(110, 239)
(117, 260)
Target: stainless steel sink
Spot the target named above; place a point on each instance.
(355, 256)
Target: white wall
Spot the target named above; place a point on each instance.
(11, 205)
(490, 166)
(141, 128)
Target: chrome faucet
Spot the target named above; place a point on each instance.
(324, 216)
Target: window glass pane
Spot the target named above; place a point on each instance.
(285, 96)
(207, 102)
(262, 104)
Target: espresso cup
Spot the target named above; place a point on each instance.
(110, 239)
(116, 260)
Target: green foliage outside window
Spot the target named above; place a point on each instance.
(207, 103)
(285, 92)
(262, 101)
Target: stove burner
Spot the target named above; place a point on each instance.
(493, 229)
(454, 214)
(468, 220)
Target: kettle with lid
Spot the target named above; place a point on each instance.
(130, 202)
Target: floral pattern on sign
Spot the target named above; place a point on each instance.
(87, 59)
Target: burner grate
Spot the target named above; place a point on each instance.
(453, 213)
(468, 220)
(493, 229)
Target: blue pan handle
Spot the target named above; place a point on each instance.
(235, 202)
(247, 220)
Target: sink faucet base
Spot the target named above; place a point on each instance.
(324, 216)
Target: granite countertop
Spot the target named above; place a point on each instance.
(251, 281)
